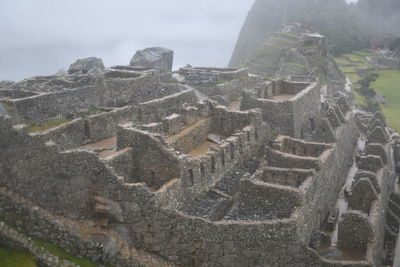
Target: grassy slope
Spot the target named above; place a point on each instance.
(10, 257)
(387, 85)
(62, 254)
(15, 258)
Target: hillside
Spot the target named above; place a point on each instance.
(294, 51)
(333, 19)
(356, 66)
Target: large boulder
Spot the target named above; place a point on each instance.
(154, 57)
(85, 65)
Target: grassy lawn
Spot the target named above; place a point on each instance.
(388, 85)
(15, 258)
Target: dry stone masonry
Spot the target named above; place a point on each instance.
(196, 167)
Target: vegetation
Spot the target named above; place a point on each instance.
(34, 127)
(62, 254)
(367, 83)
(7, 107)
(388, 85)
(10, 257)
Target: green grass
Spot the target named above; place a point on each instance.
(10, 257)
(7, 107)
(17, 258)
(296, 64)
(343, 61)
(354, 78)
(36, 127)
(355, 60)
(62, 254)
(350, 69)
(388, 85)
(350, 64)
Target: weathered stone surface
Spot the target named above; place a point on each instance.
(154, 57)
(86, 65)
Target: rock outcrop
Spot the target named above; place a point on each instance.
(86, 65)
(154, 57)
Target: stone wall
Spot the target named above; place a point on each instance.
(14, 239)
(157, 109)
(287, 177)
(288, 117)
(153, 163)
(208, 76)
(55, 180)
(15, 94)
(113, 91)
(191, 137)
(336, 86)
(321, 194)
(98, 127)
(178, 237)
(355, 232)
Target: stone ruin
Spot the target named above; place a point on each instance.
(196, 167)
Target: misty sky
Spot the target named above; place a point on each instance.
(39, 37)
(42, 36)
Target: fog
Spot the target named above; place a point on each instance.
(41, 36)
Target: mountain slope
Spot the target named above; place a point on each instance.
(334, 19)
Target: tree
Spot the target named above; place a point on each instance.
(365, 85)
